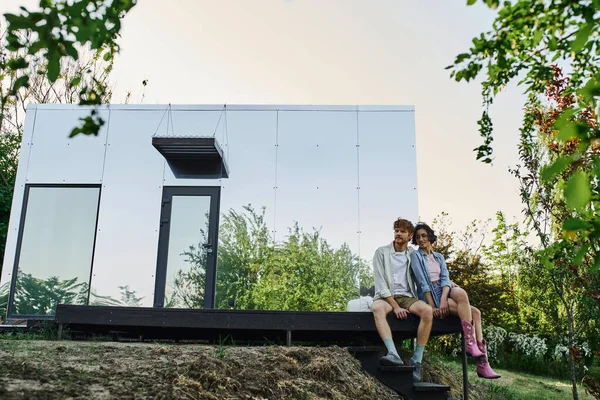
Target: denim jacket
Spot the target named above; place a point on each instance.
(421, 271)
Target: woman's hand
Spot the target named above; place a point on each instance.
(437, 313)
(444, 308)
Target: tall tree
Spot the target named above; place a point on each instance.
(526, 38)
(563, 261)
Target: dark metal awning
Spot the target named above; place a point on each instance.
(193, 157)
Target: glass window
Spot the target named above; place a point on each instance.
(57, 244)
(187, 258)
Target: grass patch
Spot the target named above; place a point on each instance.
(520, 386)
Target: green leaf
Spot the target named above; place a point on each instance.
(582, 37)
(22, 81)
(575, 224)
(53, 64)
(537, 37)
(577, 191)
(596, 266)
(567, 131)
(17, 22)
(17, 63)
(581, 254)
(550, 171)
(75, 81)
(596, 160)
(471, 2)
(591, 88)
(461, 57)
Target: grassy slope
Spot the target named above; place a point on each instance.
(521, 386)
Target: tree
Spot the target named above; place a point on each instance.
(59, 32)
(34, 296)
(90, 70)
(505, 255)
(563, 261)
(465, 257)
(246, 249)
(305, 273)
(527, 37)
(253, 272)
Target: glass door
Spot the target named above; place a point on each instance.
(187, 248)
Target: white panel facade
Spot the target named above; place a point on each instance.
(388, 176)
(17, 201)
(317, 175)
(57, 159)
(347, 171)
(128, 222)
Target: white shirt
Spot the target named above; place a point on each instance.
(399, 264)
(361, 304)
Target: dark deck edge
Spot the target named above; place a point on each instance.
(241, 319)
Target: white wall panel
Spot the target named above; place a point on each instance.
(57, 159)
(17, 200)
(317, 175)
(388, 176)
(249, 147)
(128, 223)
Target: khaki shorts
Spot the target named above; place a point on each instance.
(405, 301)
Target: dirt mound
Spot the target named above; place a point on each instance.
(107, 370)
(102, 370)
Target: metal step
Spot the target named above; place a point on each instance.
(366, 349)
(430, 387)
(398, 369)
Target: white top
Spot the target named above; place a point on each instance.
(400, 264)
(361, 304)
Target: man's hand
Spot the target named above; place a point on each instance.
(444, 308)
(401, 313)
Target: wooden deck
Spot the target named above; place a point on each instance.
(241, 325)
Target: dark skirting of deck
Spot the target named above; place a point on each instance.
(241, 325)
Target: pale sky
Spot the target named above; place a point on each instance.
(333, 52)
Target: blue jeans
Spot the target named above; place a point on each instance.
(437, 292)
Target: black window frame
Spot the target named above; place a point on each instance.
(13, 283)
(163, 240)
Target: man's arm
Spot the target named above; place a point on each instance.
(399, 312)
(381, 287)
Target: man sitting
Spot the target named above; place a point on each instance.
(395, 291)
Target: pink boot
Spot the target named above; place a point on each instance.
(483, 366)
(472, 349)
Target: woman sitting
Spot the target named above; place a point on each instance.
(446, 299)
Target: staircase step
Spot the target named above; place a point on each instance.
(366, 349)
(401, 368)
(430, 387)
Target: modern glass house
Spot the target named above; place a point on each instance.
(98, 220)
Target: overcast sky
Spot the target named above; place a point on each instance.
(333, 52)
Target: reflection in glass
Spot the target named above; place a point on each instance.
(187, 257)
(56, 249)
